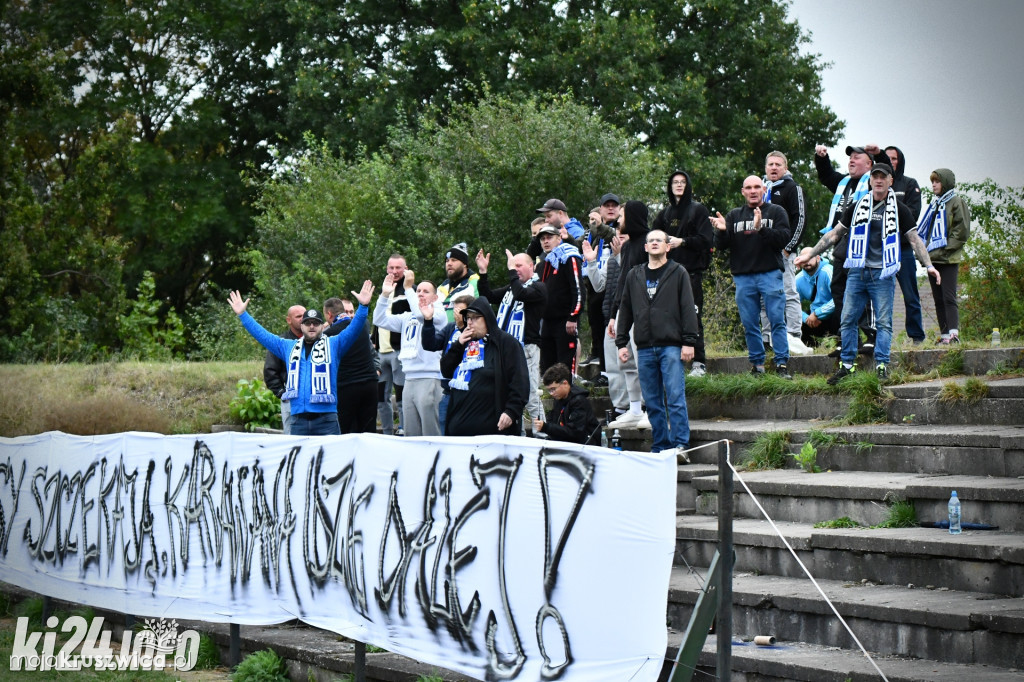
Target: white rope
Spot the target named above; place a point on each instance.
(728, 459)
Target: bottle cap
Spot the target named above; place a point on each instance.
(954, 493)
(995, 329)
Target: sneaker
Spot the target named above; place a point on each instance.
(841, 374)
(698, 370)
(399, 432)
(835, 353)
(644, 422)
(757, 371)
(882, 371)
(591, 360)
(867, 349)
(625, 421)
(797, 347)
(783, 371)
(954, 340)
(601, 381)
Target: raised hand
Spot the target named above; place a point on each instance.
(237, 304)
(387, 287)
(410, 279)
(427, 311)
(757, 218)
(365, 294)
(588, 252)
(510, 260)
(718, 222)
(482, 262)
(821, 150)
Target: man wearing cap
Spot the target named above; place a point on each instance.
(599, 237)
(562, 274)
(847, 189)
(460, 279)
(556, 215)
(422, 394)
(754, 235)
(487, 376)
(312, 363)
(275, 371)
(872, 259)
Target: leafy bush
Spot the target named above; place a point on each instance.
(143, 335)
(993, 265)
(807, 458)
(261, 666)
(255, 405)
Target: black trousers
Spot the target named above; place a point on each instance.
(556, 345)
(357, 407)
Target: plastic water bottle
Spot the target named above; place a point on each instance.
(995, 337)
(604, 438)
(616, 440)
(954, 514)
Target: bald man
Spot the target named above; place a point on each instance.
(755, 234)
(275, 371)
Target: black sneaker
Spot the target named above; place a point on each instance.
(841, 374)
(601, 381)
(867, 349)
(883, 372)
(835, 353)
(783, 371)
(757, 371)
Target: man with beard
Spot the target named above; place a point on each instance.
(389, 345)
(275, 371)
(311, 385)
(690, 238)
(488, 380)
(460, 279)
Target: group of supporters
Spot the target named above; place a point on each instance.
(468, 356)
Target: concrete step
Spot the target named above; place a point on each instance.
(802, 407)
(789, 495)
(788, 661)
(931, 402)
(991, 562)
(943, 625)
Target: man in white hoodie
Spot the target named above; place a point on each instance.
(422, 369)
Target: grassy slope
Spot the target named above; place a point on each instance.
(178, 397)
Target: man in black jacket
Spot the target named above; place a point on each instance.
(275, 372)
(908, 191)
(688, 226)
(571, 417)
(357, 376)
(488, 380)
(657, 303)
(562, 273)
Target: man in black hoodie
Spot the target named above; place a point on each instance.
(690, 238)
(909, 192)
(657, 304)
(488, 377)
(357, 376)
(571, 418)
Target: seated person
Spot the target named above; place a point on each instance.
(814, 284)
(571, 418)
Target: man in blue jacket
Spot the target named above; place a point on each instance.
(312, 362)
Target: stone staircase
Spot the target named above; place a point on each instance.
(928, 605)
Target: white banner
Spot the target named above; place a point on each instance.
(502, 558)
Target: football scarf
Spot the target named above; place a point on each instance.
(934, 222)
(857, 253)
(472, 358)
(863, 187)
(320, 372)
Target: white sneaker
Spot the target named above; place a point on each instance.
(626, 421)
(644, 422)
(698, 369)
(797, 347)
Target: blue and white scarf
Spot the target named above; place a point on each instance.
(511, 316)
(561, 254)
(934, 223)
(863, 187)
(320, 372)
(856, 255)
(472, 358)
(769, 186)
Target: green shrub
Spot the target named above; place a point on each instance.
(261, 666)
(255, 405)
(901, 514)
(209, 653)
(768, 451)
(807, 458)
(143, 335)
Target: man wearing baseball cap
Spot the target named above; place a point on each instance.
(561, 271)
(872, 259)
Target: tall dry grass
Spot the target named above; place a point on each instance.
(173, 397)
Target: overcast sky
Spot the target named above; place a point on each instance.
(948, 91)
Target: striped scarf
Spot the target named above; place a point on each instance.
(934, 223)
(472, 358)
(511, 316)
(320, 372)
(863, 187)
(856, 256)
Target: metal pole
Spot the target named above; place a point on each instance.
(360, 662)
(235, 645)
(45, 610)
(725, 549)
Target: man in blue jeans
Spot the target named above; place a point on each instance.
(755, 234)
(873, 258)
(657, 303)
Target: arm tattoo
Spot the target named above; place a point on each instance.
(919, 248)
(831, 238)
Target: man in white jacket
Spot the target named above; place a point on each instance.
(422, 369)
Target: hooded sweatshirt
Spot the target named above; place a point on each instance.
(573, 419)
(958, 229)
(417, 362)
(634, 224)
(906, 188)
(501, 385)
(689, 220)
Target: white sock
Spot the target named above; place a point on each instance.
(954, 332)
(634, 407)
